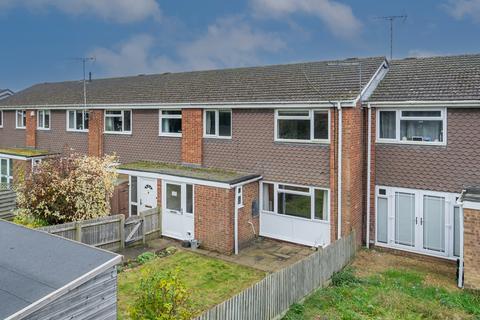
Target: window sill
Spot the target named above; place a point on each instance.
(306, 142)
(416, 143)
(43, 129)
(119, 133)
(217, 137)
(170, 135)
(78, 131)
(21, 128)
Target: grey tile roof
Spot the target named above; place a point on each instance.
(431, 79)
(34, 264)
(312, 81)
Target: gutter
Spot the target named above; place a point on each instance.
(428, 103)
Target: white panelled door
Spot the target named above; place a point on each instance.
(177, 213)
(147, 189)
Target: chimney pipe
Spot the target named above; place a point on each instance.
(89, 76)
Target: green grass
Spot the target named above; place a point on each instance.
(210, 281)
(395, 293)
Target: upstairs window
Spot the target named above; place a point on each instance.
(171, 123)
(218, 123)
(77, 120)
(302, 125)
(412, 126)
(118, 121)
(1, 119)
(43, 119)
(21, 119)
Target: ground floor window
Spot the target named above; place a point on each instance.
(296, 201)
(418, 220)
(6, 172)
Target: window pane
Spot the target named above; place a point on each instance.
(172, 112)
(267, 197)
(114, 112)
(405, 219)
(126, 117)
(174, 197)
(71, 120)
(293, 188)
(10, 167)
(382, 219)
(40, 119)
(85, 122)
(79, 123)
(171, 125)
(294, 113)
(294, 129)
(189, 198)
(456, 231)
(1, 118)
(134, 210)
(133, 189)
(321, 205)
(434, 223)
(388, 124)
(294, 205)
(421, 130)
(320, 125)
(225, 123)
(3, 167)
(47, 120)
(210, 122)
(421, 113)
(112, 123)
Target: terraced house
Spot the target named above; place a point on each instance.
(297, 152)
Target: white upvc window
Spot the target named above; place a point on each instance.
(170, 123)
(302, 125)
(1, 118)
(118, 121)
(217, 123)
(412, 126)
(6, 172)
(296, 201)
(77, 120)
(43, 119)
(239, 196)
(20, 119)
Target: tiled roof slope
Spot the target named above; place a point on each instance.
(311, 81)
(431, 79)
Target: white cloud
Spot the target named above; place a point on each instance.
(122, 11)
(338, 17)
(229, 42)
(460, 9)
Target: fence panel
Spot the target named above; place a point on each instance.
(7, 203)
(271, 297)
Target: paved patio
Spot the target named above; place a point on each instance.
(263, 254)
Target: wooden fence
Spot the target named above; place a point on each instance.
(111, 232)
(7, 203)
(272, 297)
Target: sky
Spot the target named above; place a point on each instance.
(41, 40)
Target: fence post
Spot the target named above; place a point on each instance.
(142, 216)
(78, 231)
(122, 231)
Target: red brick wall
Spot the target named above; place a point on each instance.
(471, 248)
(9, 135)
(214, 218)
(192, 136)
(95, 133)
(245, 232)
(31, 129)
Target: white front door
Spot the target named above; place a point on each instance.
(147, 193)
(177, 213)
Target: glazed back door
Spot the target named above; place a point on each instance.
(177, 217)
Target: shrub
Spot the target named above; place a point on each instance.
(146, 257)
(344, 277)
(29, 221)
(68, 188)
(161, 296)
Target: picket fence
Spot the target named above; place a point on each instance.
(273, 296)
(111, 232)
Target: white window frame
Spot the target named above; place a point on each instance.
(116, 116)
(217, 124)
(84, 112)
(42, 114)
(1, 118)
(23, 111)
(8, 176)
(168, 116)
(310, 117)
(311, 193)
(399, 117)
(239, 196)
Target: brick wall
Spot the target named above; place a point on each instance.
(245, 232)
(9, 136)
(192, 136)
(95, 132)
(214, 218)
(471, 248)
(31, 129)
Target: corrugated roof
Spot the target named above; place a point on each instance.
(446, 78)
(34, 264)
(311, 81)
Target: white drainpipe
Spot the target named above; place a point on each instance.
(369, 159)
(339, 183)
(236, 221)
(460, 267)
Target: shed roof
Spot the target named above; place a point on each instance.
(310, 81)
(35, 264)
(447, 78)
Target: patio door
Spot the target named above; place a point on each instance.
(177, 213)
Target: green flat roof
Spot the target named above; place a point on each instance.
(26, 152)
(209, 174)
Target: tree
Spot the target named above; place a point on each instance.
(67, 188)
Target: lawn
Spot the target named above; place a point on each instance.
(386, 286)
(210, 281)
